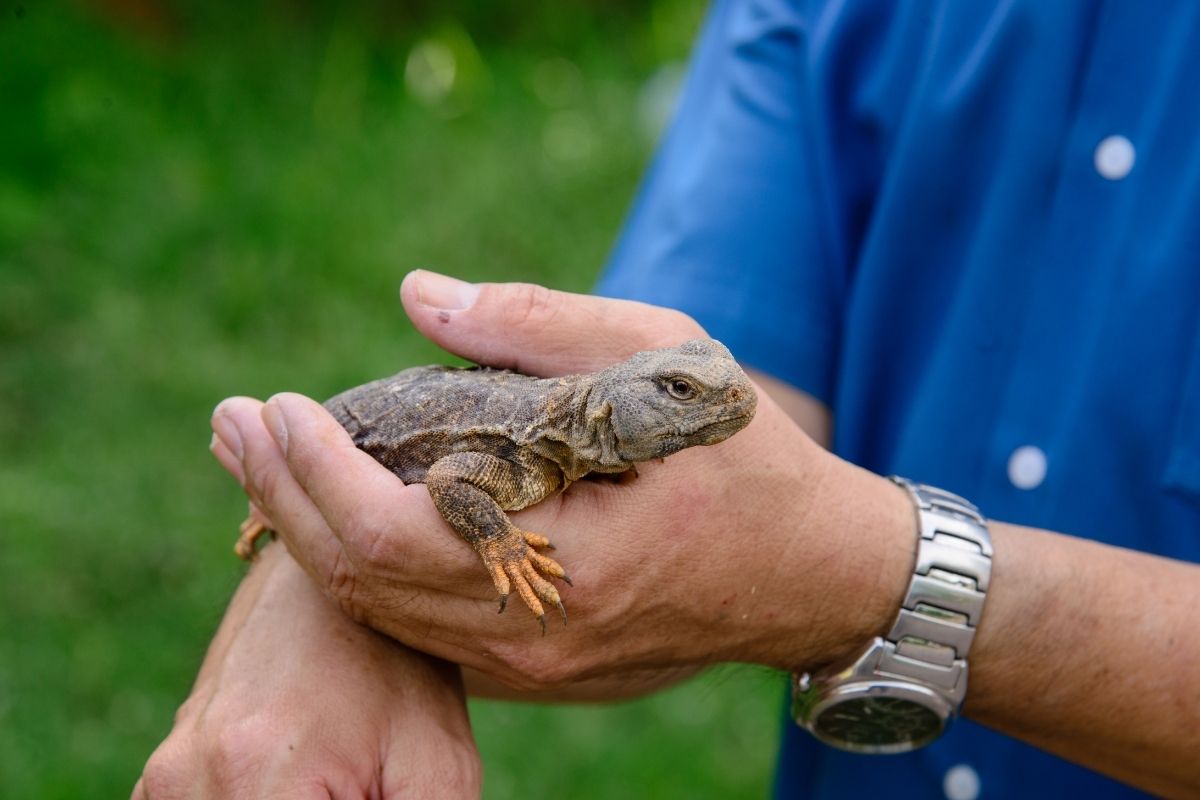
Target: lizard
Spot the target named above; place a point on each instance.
(486, 441)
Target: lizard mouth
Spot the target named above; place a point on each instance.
(670, 442)
(720, 430)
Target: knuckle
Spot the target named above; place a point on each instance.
(166, 773)
(531, 305)
(342, 585)
(366, 537)
(235, 746)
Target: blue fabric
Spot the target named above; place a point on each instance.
(895, 207)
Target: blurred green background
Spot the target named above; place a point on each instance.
(197, 202)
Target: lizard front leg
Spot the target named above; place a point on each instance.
(471, 492)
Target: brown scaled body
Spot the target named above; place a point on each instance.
(489, 441)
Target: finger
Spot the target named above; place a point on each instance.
(256, 514)
(226, 442)
(227, 459)
(378, 519)
(271, 487)
(536, 330)
(225, 431)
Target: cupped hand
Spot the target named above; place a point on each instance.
(296, 701)
(715, 554)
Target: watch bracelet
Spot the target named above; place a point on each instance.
(935, 626)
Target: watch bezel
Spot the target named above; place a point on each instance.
(810, 705)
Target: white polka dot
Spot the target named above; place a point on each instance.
(961, 783)
(1114, 157)
(1027, 467)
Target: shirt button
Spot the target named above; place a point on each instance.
(961, 783)
(1027, 467)
(1114, 157)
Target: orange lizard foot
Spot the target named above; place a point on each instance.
(513, 563)
(249, 532)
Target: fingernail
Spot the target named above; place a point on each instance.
(276, 420)
(443, 292)
(227, 432)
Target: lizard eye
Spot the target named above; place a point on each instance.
(680, 389)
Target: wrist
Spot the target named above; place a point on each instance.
(875, 524)
(849, 545)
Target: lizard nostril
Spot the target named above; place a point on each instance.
(734, 395)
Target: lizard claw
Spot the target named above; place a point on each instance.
(562, 611)
(515, 565)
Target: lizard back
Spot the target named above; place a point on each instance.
(411, 419)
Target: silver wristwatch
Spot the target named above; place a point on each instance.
(905, 688)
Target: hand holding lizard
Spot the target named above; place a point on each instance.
(703, 558)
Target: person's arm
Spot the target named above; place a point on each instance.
(1034, 583)
(764, 549)
(295, 700)
(1080, 639)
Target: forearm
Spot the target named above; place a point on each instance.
(274, 602)
(1091, 652)
(1084, 650)
(272, 575)
(280, 620)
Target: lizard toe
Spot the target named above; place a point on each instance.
(537, 540)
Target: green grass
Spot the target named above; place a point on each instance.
(226, 206)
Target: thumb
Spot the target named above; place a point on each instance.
(536, 330)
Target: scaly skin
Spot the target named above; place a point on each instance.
(488, 441)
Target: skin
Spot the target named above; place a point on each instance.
(766, 549)
(295, 700)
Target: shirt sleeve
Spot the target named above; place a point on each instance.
(747, 217)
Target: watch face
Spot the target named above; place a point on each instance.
(878, 723)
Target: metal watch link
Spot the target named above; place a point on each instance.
(902, 691)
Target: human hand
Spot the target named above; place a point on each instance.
(734, 552)
(295, 700)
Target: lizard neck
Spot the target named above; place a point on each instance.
(574, 430)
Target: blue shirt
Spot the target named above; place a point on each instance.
(973, 232)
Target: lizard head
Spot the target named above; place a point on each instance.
(661, 401)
